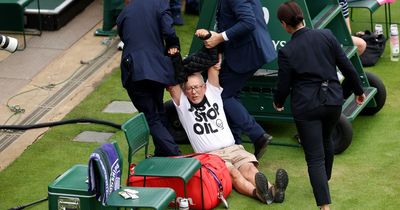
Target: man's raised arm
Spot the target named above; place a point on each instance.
(213, 72)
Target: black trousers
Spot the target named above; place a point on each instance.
(238, 117)
(147, 96)
(315, 129)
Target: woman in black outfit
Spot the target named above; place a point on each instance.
(307, 71)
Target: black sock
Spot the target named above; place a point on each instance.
(255, 193)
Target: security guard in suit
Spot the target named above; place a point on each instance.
(307, 71)
(144, 26)
(246, 46)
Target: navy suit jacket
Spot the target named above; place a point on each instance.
(308, 59)
(250, 45)
(144, 26)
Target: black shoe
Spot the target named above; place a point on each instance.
(261, 145)
(281, 183)
(263, 193)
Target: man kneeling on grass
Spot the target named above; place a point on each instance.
(200, 110)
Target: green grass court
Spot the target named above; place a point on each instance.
(365, 176)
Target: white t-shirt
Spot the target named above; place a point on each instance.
(206, 126)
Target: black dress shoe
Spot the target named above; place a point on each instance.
(260, 146)
(263, 193)
(281, 183)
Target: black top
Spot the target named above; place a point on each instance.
(307, 60)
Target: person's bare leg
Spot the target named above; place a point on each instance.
(241, 184)
(264, 190)
(248, 170)
(324, 207)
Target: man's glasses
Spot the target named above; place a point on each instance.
(194, 87)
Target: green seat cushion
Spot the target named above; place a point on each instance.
(152, 197)
(168, 167)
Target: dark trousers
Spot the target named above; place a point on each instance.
(175, 4)
(237, 115)
(315, 129)
(147, 97)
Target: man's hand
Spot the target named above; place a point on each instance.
(214, 40)
(203, 34)
(360, 99)
(279, 109)
(172, 51)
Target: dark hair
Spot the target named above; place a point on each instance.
(290, 13)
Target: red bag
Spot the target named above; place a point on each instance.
(217, 182)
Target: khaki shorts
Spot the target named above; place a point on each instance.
(235, 156)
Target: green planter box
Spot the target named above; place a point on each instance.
(70, 191)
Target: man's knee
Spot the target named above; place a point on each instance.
(247, 167)
(360, 44)
(234, 172)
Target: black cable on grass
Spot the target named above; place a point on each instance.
(29, 204)
(62, 122)
(18, 110)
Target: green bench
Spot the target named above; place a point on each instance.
(12, 17)
(372, 6)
